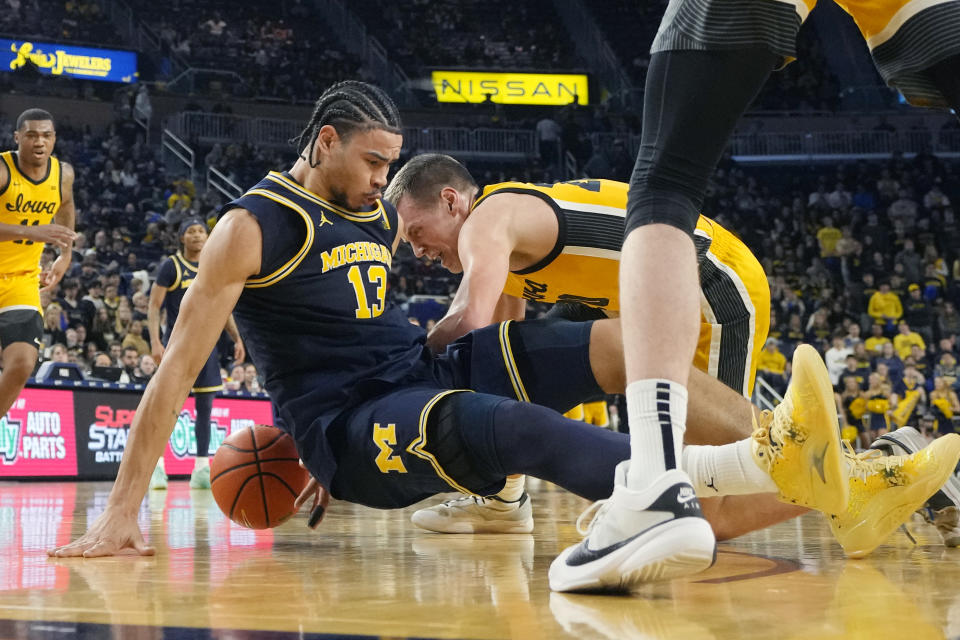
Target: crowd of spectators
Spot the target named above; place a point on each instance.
(258, 49)
(494, 34)
(72, 21)
(863, 263)
(267, 45)
(804, 85)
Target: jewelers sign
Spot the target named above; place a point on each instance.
(107, 65)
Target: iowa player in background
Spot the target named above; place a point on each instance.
(560, 243)
(174, 277)
(36, 208)
(302, 259)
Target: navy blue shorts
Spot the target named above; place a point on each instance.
(392, 451)
(546, 362)
(209, 380)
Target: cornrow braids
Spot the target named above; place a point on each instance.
(348, 106)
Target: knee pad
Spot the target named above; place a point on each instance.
(672, 208)
(460, 432)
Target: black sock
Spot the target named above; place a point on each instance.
(540, 442)
(204, 405)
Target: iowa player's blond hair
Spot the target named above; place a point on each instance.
(423, 176)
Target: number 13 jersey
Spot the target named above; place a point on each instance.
(315, 319)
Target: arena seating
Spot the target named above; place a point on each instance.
(471, 33)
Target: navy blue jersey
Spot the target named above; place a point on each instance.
(175, 274)
(315, 319)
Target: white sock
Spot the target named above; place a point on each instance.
(201, 463)
(657, 410)
(725, 470)
(160, 464)
(513, 489)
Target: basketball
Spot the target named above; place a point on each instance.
(255, 476)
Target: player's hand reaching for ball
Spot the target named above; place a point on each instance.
(112, 534)
(321, 498)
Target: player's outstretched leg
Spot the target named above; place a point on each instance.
(799, 442)
(886, 490)
(637, 536)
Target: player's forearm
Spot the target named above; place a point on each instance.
(154, 422)
(232, 329)
(153, 325)
(452, 326)
(444, 332)
(67, 217)
(12, 232)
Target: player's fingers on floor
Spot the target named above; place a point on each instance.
(101, 549)
(71, 550)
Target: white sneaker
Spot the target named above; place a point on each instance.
(469, 514)
(943, 508)
(159, 478)
(635, 537)
(200, 478)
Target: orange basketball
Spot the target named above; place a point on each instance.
(255, 476)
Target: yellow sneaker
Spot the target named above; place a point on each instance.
(886, 490)
(798, 444)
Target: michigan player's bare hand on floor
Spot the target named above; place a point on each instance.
(321, 498)
(109, 535)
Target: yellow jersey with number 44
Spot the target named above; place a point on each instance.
(27, 202)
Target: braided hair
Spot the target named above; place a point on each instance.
(348, 106)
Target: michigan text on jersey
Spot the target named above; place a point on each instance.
(356, 252)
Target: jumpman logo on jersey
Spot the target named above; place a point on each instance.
(324, 220)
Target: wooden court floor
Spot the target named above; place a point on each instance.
(368, 573)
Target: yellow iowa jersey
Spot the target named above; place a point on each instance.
(873, 17)
(584, 264)
(26, 202)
